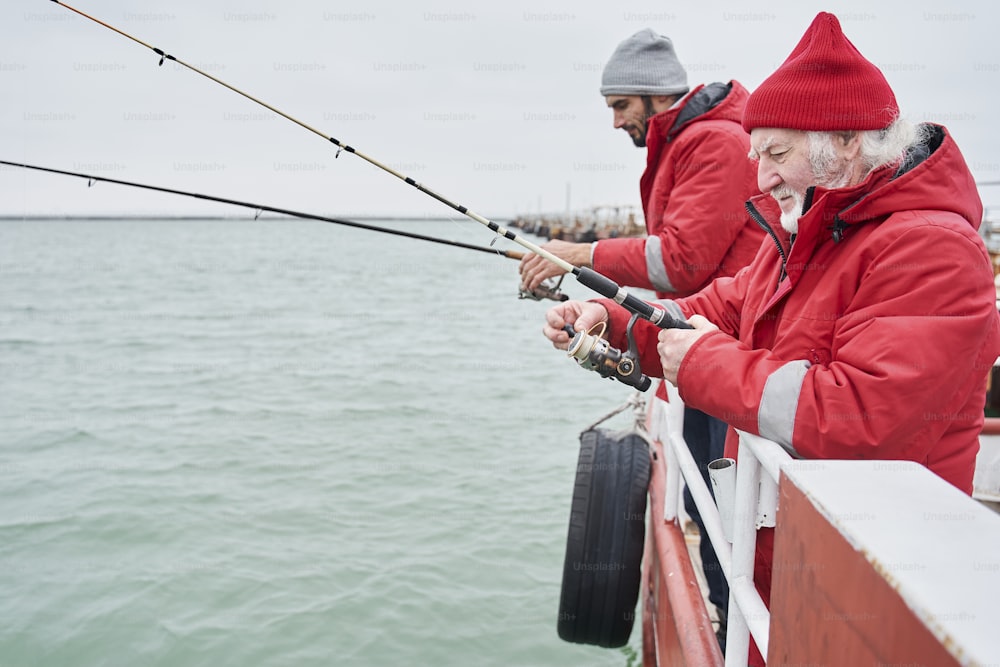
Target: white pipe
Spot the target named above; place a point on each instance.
(744, 549)
(770, 454)
(722, 472)
(753, 613)
(668, 419)
(767, 504)
(706, 506)
(672, 485)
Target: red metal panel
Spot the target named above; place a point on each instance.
(648, 602)
(674, 613)
(830, 606)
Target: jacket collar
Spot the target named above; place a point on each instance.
(665, 125)
(828, 213)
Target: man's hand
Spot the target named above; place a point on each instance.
(675, 343)
(535, 269)
(581, 314)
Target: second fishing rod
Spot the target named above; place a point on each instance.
(585, 276)
(544, 291)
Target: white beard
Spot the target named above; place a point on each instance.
(790, 220)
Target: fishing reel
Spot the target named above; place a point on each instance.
(592, 352)
(549, 289)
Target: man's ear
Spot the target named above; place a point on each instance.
(848, 144)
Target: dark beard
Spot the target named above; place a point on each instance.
(647, 103)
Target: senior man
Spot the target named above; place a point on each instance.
(867, 327)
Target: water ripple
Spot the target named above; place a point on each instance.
(220, 448)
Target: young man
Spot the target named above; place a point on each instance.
(694, 186)
(866, 328)
(696, 181)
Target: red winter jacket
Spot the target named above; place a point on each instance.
(872, 341)
(696, 181)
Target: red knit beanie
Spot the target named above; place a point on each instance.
(824, 85)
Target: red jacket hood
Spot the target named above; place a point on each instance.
(664, 125)
(941, 182)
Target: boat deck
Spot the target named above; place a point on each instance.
(692, 538)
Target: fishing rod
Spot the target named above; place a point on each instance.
(93, 178)
(545, 292)
(584, 275)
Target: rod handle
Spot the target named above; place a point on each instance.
(611, 290)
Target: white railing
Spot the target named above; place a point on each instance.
(757, 475)
(756, 487)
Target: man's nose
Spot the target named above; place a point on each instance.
(767, 177)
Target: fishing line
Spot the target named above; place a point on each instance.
(585, 276)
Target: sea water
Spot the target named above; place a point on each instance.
(281, 442)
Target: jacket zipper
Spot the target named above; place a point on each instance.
(759, 219)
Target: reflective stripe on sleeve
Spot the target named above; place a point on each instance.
(779, 402)
(673, 309)
(654, 266)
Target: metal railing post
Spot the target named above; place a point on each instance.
(669, 417)
(757, 473)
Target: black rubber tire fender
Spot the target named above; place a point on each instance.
(604, 545)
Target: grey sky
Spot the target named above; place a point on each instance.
(494, 105)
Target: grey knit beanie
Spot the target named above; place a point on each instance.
(644, 64)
